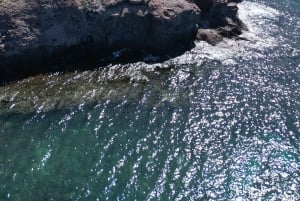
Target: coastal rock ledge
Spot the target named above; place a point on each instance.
(35, 33)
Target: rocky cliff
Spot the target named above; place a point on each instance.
(39, 33)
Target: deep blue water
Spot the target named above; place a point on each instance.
(222, 124)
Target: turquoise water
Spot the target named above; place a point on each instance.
(219, 123)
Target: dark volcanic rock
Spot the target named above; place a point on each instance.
(212, 36)
(220, 20)
(205, 5)
(42, 35)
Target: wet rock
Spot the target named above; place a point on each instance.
(224, 17)
(212, 36)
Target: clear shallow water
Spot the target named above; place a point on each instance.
(223, 123)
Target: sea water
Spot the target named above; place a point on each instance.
(216, 123)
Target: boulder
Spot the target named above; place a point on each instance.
(219, 20)
(212, 36)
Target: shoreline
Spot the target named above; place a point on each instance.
(42, 37)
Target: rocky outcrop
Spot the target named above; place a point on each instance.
(36, 35)
(220, 20)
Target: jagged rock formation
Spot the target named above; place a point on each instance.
(219, 19)
(36, 32)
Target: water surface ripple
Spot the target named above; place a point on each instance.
(217, 123)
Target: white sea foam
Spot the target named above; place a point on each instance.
(260, 20)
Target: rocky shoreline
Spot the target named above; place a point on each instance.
(39, 36)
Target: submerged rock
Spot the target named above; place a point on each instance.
(42, 35)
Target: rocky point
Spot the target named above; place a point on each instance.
(39, 36)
